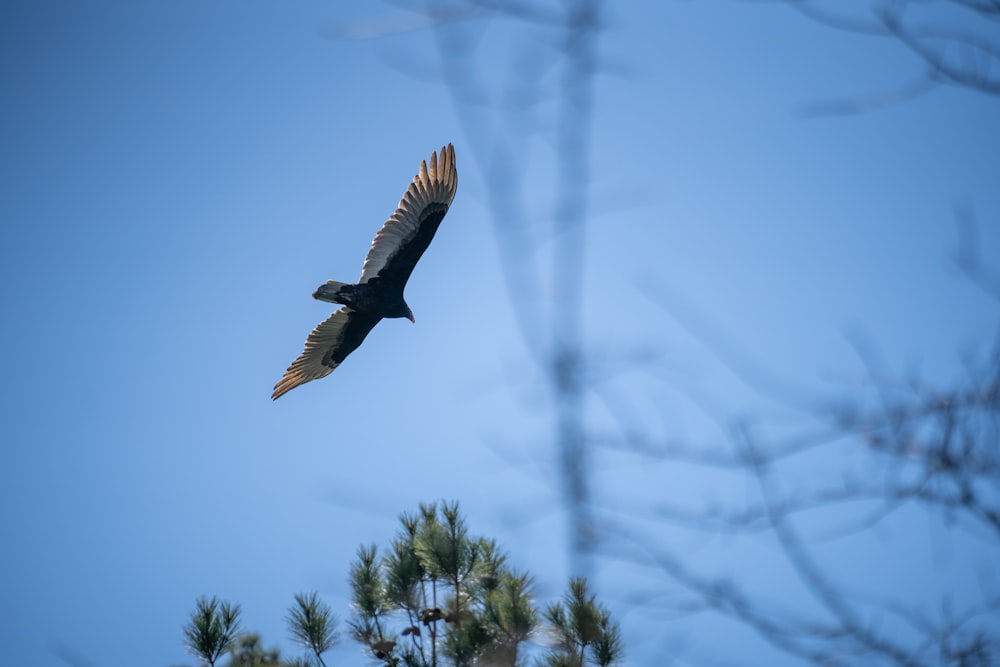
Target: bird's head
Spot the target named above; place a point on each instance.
(399, 309)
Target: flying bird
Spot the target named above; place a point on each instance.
(379, 292)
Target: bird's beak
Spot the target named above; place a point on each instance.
(411, 318)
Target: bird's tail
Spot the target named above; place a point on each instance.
(334, 292)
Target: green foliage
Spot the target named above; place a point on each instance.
(369, 597)
(248, 651)
(508, 609)
(445, 596)
(404, 569)
(436, 596)
(212, 629)
(584, 631)
(312, 625)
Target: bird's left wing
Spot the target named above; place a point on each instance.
(328, 344)
(404, 236)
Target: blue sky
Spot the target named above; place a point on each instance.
(178, 177)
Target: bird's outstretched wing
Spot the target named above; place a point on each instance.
(404, 236)
(328, 344)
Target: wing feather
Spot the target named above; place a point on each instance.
(406, 234)
(327, 345)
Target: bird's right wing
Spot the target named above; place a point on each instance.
(407, 233)
(328, 344)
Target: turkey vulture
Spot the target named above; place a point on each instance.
(379, 292)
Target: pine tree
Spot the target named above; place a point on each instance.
(584, 631)
(312, 625)
(436, 597)
(212, 630)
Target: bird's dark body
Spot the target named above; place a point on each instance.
(373, 298)
(353, 336)
(382, 295)
(399, 269)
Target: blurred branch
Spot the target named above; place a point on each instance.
(792, 636)
(819, 582)
(71, 657)
(968, 257)
(858, 105)
(934, 448)
(979, 54)
(965, 57)
(918, 445)
(948, 447)
(551, 328)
